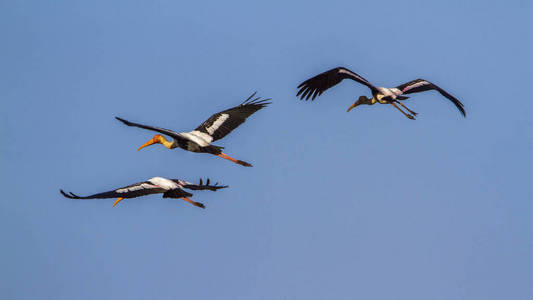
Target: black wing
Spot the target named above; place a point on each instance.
(421, 85)
(160, 130)
(130, 191)
(311, 88)
(221, 124)
(202, 186)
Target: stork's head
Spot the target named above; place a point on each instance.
(361, 100)
(158, 139)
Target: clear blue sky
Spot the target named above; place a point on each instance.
(359, 205)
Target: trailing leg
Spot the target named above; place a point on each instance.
(193, 202)
(405, 114)
(410, 111)
(240, 162)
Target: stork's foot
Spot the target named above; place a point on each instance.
(403, 112)
(239, 162)
(243, 163)
(197, 204)
(410, 111)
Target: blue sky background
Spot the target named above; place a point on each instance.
(359, 205)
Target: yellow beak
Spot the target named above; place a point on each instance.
(118, 200)
(353, 105)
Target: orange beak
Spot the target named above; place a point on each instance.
(353, 105)
(152, 141)
(118, 200)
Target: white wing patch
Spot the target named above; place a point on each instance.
(218, 122)
(163, 183)
(396, 91)
(344, 71)
(197, 138)
(141, 186)
(418, 84)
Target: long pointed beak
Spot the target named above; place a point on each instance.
(118, 200)
(150, 142)
(353, 105)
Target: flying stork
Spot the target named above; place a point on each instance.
(171, 188)
(214, 128)
(315, 86)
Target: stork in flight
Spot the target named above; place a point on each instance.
(170, 188)
(215, 128)
(315, 86)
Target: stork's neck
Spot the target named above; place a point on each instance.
(368, 101)
(168, 144)
(379, 98)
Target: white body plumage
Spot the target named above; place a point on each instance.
(386, 92)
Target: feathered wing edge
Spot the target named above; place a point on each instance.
(218, 126)
(422, 85)
(256, 101)
(153, 128)
(202, 186)
(131, 191)
(315, 86)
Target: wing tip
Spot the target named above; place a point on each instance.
(460, 106)
(71, 196)
(122, 120)
(300, 91)
(256, 101)
(249, 98)
(463, 112)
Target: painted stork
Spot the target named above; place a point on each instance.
(215, 128)
(315, 86)
(170, 188)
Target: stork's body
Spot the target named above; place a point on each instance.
(170, 188)
(214, 128)
(386, 93)
(315, 86)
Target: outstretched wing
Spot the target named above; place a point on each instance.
(421, 85)
(201, 186)
(311, 88)
(160, 130)
(221, 124)
(130, 191)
